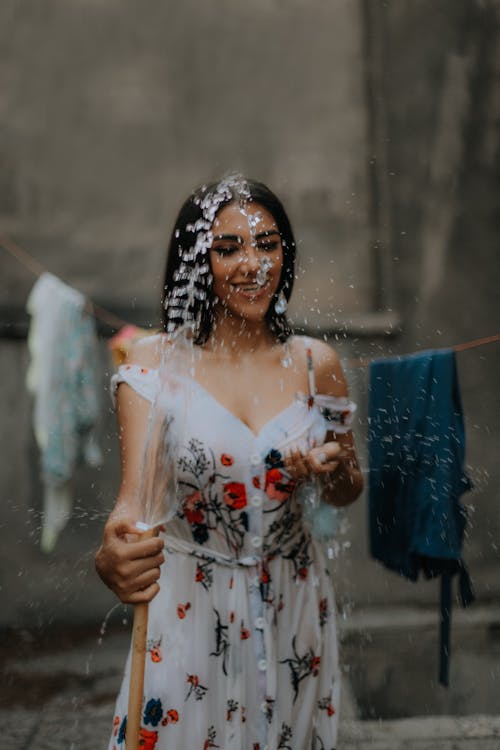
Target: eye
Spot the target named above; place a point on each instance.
(268, 246)
(227, 250)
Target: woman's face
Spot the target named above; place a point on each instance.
(246, 259)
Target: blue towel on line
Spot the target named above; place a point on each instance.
(416, 455)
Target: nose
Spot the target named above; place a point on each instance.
(250, 261)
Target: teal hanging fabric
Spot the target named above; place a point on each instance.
(416, 455)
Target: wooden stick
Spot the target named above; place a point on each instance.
(138, 658)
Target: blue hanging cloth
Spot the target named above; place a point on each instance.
(416, 446)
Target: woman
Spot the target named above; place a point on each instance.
(242, 649)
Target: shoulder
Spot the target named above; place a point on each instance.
(328, 372)
(146, 352)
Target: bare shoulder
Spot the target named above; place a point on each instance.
(328, 372)
(146, 351)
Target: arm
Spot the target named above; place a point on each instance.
(335, 461)
(128, 566)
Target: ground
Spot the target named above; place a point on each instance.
(57, 693)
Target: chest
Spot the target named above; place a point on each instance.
(252, 391)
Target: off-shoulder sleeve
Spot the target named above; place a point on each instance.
(337, 412)
(144, 380)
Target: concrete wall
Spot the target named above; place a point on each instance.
(110, 114)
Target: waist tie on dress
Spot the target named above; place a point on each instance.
(182, 546)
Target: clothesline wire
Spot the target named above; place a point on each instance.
(33, 265)
(353, 363)
(29, 262)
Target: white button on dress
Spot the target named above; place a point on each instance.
(256, 501)
(256, 542)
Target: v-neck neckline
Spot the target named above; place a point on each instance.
(255, 435)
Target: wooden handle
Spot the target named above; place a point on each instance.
(138, 658)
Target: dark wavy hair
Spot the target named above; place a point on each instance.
(185, 263)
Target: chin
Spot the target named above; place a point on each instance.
(253, 315)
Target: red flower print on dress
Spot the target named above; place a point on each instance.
(301, 666)
(323, 611)
(156, 655)
(147, 739)
(226, 459)
(277, 486)
(315, 662)
(302, 573)
(235, 495)
(171, 717)
(264, 576)
(244, 633)
(232, 706)
(182, 609)
(154, 650)
(192, 507)
(325, 704)
(211, 737)
(204, 574)
(195, 688)
(116, 724)
(256, 482)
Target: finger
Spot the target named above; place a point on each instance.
(144, 596)
(145, 580)
(324, 453)
(319, 462)
(288, 460)
(138, 567)
(300, 466)
(138, 550)
(130, 581)
(121, 527)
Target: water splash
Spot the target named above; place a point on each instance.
(265, 265)
(193, 275)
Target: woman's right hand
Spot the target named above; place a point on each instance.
(128, 565)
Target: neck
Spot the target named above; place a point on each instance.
(238, 336)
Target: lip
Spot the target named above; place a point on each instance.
(248, 292)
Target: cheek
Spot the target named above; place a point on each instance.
(276, 271)
(220, 272)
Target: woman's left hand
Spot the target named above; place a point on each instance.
(325, 459)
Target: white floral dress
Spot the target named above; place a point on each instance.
(242, 647)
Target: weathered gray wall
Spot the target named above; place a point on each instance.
(441, 87)
(110, 114)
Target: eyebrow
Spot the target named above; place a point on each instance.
(267, 233)
(239, 240)
(229, 238)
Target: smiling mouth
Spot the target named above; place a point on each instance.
(249, 288)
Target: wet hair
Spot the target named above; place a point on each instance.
(188, 283)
